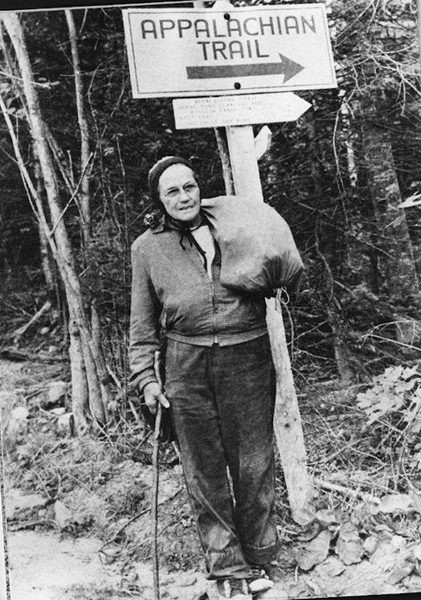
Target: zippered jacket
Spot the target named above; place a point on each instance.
(172, 290)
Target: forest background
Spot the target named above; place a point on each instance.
(76, 150)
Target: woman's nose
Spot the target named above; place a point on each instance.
(184, 195)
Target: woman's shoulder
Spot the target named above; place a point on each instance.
(144, 242)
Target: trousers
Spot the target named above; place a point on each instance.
(222, 400)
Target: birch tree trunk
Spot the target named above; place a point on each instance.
(80, 396)
(80, 390)
(95, 372)
(85, 210)
(84, 196)
(45, 252)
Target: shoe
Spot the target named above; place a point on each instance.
(260, 581)
(273, 571)
(276, 592)
(222, 589)
(266, 584)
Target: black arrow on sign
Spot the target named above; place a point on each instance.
(286, 67)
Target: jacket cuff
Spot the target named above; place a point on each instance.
(138, 382)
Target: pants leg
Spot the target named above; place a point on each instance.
(223, 415)
(245, 397)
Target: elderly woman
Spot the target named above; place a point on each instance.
(218, 374)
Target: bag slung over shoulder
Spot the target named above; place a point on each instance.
(258, 251)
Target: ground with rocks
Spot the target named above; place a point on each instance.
(79, 521)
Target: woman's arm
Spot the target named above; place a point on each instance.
(144, 321)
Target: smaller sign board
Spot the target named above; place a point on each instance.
(249, 109)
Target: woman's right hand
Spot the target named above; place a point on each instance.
(153, 394)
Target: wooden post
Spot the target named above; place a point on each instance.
(287, 426)
(245, 169)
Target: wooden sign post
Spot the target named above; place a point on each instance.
(287, 427)
(235, 67)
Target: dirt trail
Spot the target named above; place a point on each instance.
(56, 566)
(43, 567)
(61, 566)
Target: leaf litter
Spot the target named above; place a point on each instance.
(362, 538)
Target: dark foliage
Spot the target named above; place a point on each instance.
(307, 175)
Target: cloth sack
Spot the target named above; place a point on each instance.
(258, 252)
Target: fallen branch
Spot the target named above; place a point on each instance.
(18, 355)
(16, 335)
(33, 524)
(332, 487)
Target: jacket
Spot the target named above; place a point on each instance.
(171, 290)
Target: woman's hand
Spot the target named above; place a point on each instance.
(153, 394)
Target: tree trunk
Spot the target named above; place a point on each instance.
(397, 256)
(332, 304)
(64, 254)
(395, 261)
(46, 260)
(99, 358)
(80, 390)
(85, 210)
(348, 138)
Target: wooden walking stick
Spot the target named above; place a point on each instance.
(155, 481)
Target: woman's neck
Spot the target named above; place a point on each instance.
(192, 225)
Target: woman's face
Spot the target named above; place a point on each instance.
(180, 193)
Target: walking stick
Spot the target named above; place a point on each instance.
(155, 481)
